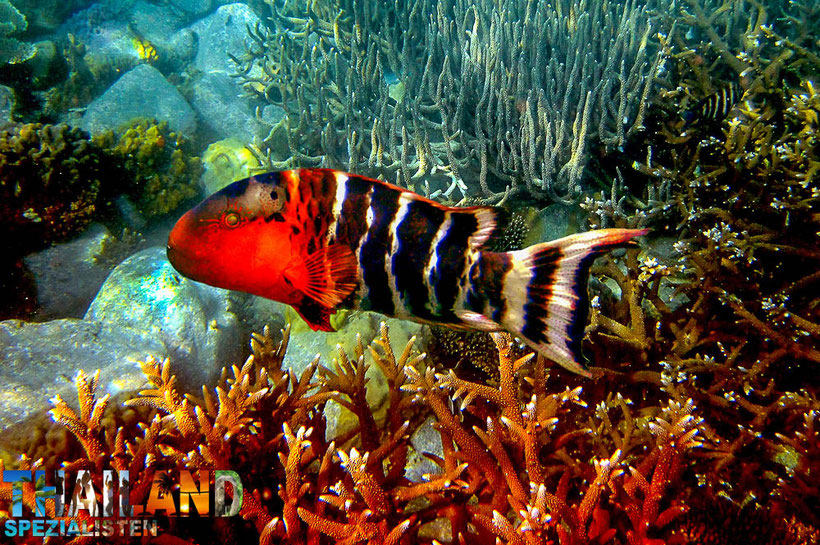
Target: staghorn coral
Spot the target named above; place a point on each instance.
(160, 170)
(50, 180)
(522, 462)
(451, 97)
(727, 313)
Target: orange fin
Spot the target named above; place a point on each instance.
(315, 315)
(327, 276)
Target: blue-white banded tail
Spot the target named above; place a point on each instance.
(540, 293)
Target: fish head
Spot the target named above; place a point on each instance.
(240, 238)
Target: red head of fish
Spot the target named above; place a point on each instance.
(240, 238)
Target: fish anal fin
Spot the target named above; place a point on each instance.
(477, 321)
(327, 276)
(316, 315)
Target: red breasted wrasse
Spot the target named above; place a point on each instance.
(320, 239)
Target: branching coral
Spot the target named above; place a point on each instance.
(726, 314)
(521, 462)
(455, 98)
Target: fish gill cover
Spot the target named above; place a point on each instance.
(700, 424)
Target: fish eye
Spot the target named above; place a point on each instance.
(277, 197)
(231, 219)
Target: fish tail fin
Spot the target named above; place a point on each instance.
(545, 293)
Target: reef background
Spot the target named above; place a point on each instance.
(701, 422)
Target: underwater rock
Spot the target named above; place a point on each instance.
(67, 276)
(41, 359)
(194, 322)
(142, 92)
(220, 33)
(192, 7)
(557, 221)
(154, 22)
(218, 100)
(6, 104)
(426, 439)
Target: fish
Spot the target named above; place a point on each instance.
(713, 108)
(321, 240)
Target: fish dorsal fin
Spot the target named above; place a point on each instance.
(327, 276)
(491, 220)
(316, 315)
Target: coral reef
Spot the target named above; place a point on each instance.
(454, 98)
(727, 314)
(522, 462)
(700, 424)
(160, 171)
(12, 22)
(50, 179)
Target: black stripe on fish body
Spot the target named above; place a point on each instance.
(384, 204)
(539, 292)
(488, 275)
(351, 226)
(448, 275)
(415, 235)
(714, 108)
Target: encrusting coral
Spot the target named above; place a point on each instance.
(50, 179)
(12, 22)
(160, 171)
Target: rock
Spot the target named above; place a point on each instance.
(6, 104)
(219, 102)
(426, 439)
(43, 64)
(193, 7)
(217, 97)
(557, 220)
(67, 276)
(154, 22)
(194, 322)
(107, 41)
(141, 92)
(41, 359)
(220, 33)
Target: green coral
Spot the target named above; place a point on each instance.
(12, 50)
(49, 184)
(161, 173)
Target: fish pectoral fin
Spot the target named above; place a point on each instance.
(477, 321)
(327, 276)
(316, 315)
